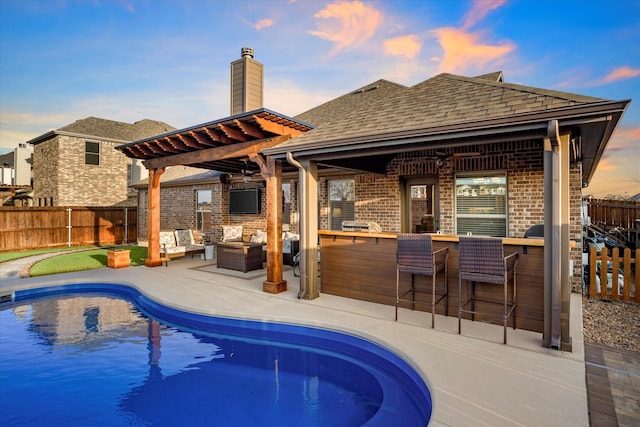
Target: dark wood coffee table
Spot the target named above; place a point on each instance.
(239, 256)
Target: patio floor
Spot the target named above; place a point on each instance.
(474, 378)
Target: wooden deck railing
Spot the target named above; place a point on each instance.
(622, 273)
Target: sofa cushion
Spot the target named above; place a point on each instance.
(287, 235)
(232, 233)
(184, 237)
(261, 236)
(167, 238)
(172, 250)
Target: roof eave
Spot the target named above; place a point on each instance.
(523, 123)
(45, 136)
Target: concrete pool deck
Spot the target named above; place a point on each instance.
(474, 379)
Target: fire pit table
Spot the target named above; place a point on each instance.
(239, 256)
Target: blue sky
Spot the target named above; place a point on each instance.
(168, 60)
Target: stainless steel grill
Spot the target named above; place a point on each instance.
(363, 226)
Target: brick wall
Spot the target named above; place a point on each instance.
(45, 173)
(61, 175)
(378, 198)
(177, 210)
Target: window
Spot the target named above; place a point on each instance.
(286, 203)
(91, 153)
(421, 209)
(203, 209)
(341, 202)
(481, 205)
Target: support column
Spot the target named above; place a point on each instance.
(565, 249)
(153, 208)
(271, 171)
(308, 207)
(556, 240)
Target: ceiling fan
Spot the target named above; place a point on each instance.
(441, 156)
(246, 172)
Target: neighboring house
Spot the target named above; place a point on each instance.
(77, 164)
(15, 177)
(16, 166)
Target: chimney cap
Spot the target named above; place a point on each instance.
(246, 52)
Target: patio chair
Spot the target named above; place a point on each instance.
(482, 260)
(415, 255)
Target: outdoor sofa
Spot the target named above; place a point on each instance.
(179, 243)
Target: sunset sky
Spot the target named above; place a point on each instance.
(168, 60)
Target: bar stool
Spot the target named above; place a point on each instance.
(482, 260)
(415, 255)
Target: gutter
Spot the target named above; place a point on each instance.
(524, 122)
(552, 237)
(303, 213)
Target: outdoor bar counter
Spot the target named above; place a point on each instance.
(362, 266)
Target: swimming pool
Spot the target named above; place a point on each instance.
(104, 354)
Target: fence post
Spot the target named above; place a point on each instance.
(69, 227)
(126, 225)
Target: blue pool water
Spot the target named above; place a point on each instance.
(103, 354)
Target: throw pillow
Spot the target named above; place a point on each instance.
(232, 233)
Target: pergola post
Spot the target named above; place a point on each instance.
(153, 206)
(271, 171)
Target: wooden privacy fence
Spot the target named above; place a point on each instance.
(42, 227)
(613, 213)
(618, 273)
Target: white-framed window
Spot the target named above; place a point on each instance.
(481, 204)
(203, 209)
(342, 202)
(91, 153)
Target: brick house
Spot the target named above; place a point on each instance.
(453, 154)
(77, 164)
(383, 184)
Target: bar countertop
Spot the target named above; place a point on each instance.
(519, 241)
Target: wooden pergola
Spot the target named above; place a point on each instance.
(228, 145)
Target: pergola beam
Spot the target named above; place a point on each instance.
(241, 149)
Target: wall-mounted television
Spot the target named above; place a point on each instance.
(244, 201)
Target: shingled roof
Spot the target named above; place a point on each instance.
(109, 129)
(357, 100)
(365, 128)
(445, 99)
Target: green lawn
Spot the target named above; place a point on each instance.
(9, 256)
(83, 260)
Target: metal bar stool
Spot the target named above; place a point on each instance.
(415, 255)
(482, 260)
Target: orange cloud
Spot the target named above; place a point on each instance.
(263, 23)
(625, 139)
(347, 24)
(621, 73)
(408, 46)
(606, 165)
(465, 50)
(479, 10)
